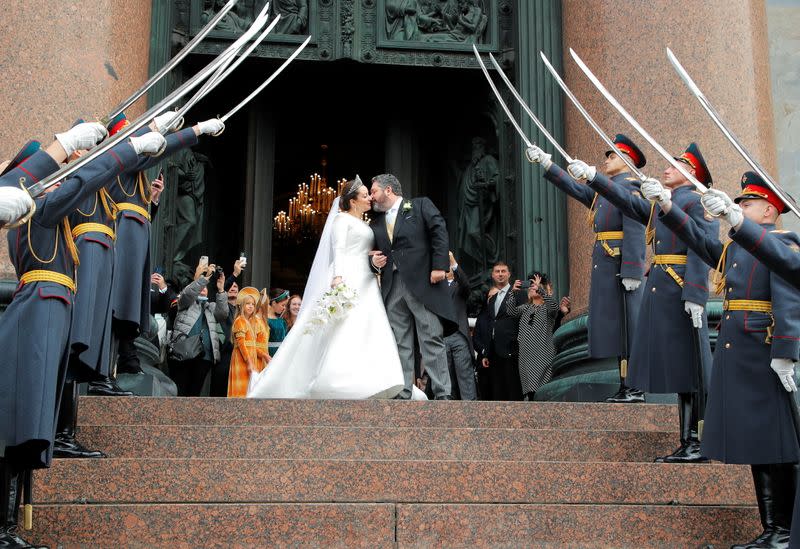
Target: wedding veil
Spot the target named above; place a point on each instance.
(321, 273)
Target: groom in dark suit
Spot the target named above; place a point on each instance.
(412, 262)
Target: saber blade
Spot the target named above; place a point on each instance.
(737, 144)
(268, 80)
(172, 62)
(224, 70)
(588, 117)
(527, 109)
(632, 121)
(500, 99)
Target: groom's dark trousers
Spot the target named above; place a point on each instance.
(406, 311)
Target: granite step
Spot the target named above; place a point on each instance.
(379, 525)
(376, 413)
(395, 443)
(369, 481)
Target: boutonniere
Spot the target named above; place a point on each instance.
(407, 205)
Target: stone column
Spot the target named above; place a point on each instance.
(66, 60)
(722, 43)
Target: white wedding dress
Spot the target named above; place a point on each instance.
(354, 358)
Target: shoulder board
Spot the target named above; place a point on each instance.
(631, 179)
(780, 231)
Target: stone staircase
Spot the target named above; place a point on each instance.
(245, 473)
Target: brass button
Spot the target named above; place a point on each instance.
(727, 345)
(727, 317)
(730, 289)
(654, 289)
(658, 242)
(734, 265)
(595, 266)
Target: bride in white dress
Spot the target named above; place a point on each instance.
(356, 357)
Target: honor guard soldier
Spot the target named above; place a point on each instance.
(93, 224)
(130, 292)
(749, 416)
(35, 327)
(671, 353)
(769, 248)
(618, 259)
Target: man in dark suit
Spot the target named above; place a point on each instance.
(412, 260)
(500, 356)
(459, 344)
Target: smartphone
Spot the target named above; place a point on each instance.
(161, 174)
(204, 260)
(242, 260)
(525, 284)
(159, 270)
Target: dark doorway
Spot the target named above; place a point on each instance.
(414, 122)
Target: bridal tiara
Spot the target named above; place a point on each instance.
(356, 184)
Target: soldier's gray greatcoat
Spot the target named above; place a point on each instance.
(606, 328)
(90, 337)
(748, 419)
(130, 293)
(34, 330)
(664, 357)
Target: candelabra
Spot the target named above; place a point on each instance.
(307, 209)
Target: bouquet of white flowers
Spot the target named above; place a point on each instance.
(332, 307)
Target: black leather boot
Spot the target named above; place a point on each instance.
(625, 394)
(775, 498)
(10, 496)
(107, 387)
(65, 445)
(689, 451)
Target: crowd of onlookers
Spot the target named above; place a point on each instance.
(216, 326)
(214, 332)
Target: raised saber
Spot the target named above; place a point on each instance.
(589, 118)
(267, 81)
(712, 112)
(224, 70)
(632, 121)
(527, 109)
(500, 99)
(171, 63)
(37, 189)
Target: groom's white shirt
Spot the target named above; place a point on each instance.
(500, 296)
(391, 213)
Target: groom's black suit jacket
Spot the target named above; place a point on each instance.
(420, 245)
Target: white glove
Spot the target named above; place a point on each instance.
(83, 136)
(535, 154)
(167, 122)
(784, 368)
(695, 311)
(581, 170)
(151, 143)
(14, 204)
(211, 127)
(631, 284)
(717, 203)
(652, 189)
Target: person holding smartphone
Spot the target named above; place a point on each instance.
(535, 336)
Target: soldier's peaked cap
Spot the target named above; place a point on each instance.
(623, 143)
(24, 153)
(694, 159)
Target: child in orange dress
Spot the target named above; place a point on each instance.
(249, 343)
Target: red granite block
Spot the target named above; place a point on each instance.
(376, 413)
(177, 526)
(275, 442)
(251, 480)
(576, 526)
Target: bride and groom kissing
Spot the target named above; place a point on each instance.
(371, 352)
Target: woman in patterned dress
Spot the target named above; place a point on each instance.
(535, 337)
(249, 343)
